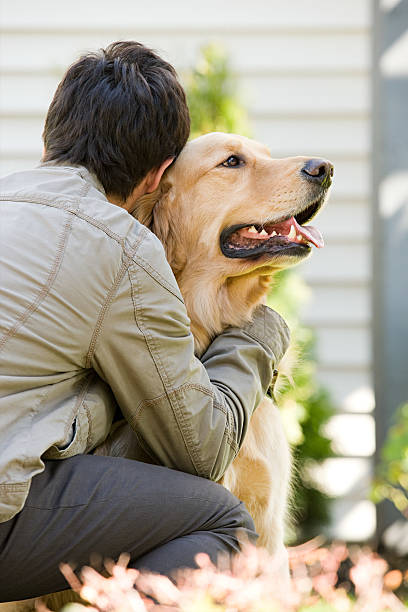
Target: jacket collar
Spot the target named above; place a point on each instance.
(83, 172)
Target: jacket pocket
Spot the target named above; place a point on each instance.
(78, 443)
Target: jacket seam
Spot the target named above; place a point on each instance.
(223, 409)
(155, 355)
(283, 334)
(142, 263)
(187, 386)
(13, 486)
(184, 387)
(145, 447)
(261, 341)
(36, 199)
(108, 301)
(82, 391)
(46, 287)
(81, 401)
(228, 425)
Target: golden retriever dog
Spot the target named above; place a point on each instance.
(230, 217)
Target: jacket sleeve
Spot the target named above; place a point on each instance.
(188, 414)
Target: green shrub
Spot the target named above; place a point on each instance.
(392, 477)
(212, 96)
(305, 405)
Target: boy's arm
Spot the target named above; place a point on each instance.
(188, 414)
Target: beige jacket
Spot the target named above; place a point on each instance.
(91, 319)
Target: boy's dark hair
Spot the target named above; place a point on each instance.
(120, 113)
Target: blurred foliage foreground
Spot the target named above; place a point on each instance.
(332, 579)
(305, 405)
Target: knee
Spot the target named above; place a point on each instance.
(237, 517)
(248, 523)
(246, 529)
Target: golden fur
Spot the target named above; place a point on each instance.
(197, 198)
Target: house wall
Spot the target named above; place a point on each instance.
(304, 71)
(390, 251)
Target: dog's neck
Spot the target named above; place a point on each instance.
(214, 306)
(213, 301)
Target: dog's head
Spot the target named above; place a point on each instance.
(226, 202)
(227, 211)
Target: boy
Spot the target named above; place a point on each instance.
(93, 324)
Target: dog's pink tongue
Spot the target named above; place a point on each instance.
(308, 232)
(312, 234)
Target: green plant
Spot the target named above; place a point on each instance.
(212, 96)
(305, 407)
(392, 476)
(214, 105)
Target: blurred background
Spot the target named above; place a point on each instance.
(322, 78)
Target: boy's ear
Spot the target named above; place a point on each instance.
(154, 176)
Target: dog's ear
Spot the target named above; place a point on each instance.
(143, 210)
(155, 211)
(151, 207)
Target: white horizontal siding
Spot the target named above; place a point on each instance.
(306, 95)
(339, 264)
(15, 164)
(351, 180)
(345, 432)
(345, 345)
(250, 53)
(21, 136)
(353, 517)
(26, 94)
(303, 70)
(344, 221)
(353, 520)
(347, 477)
(350, 387)
(323, 136)
(337, 306)
(281, 95)
(328, 14)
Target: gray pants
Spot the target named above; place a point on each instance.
(108, 505)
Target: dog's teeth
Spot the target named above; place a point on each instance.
(299, 237)
(292, 233)
(273, 233)
(252, 230)
(263, 233)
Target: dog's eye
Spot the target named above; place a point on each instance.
(233, 162)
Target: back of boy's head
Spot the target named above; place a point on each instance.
(120, 113)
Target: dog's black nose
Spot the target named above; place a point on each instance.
(318, 170)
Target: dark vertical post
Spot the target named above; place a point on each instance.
(390, 220)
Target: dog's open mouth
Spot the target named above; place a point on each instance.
(286, 237)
